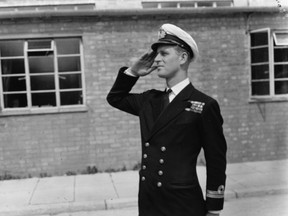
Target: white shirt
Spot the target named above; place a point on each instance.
(176, 89)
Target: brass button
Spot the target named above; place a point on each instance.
(160, 172)
(143, 167)
(143, 178)
(161, 161)
(159, 184)
(147, 144)
(145, 156)
(163, 148)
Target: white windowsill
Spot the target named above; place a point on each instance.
(44, 110)
(268, 99)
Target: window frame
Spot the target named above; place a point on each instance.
(272, 96)
(53, 109)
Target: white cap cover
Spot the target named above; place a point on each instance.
(171, 34)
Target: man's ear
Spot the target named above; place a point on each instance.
(184, 57)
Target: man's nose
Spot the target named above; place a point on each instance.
(157, 58)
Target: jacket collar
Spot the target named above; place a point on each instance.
(177, 106)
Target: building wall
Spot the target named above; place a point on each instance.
(105, 138)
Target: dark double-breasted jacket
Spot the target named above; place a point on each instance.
(171, 142)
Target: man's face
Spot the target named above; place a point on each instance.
(167, 61)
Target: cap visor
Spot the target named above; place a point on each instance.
(158, 43)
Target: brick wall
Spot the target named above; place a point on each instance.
(106, 138)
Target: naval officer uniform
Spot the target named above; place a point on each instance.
(172, 138)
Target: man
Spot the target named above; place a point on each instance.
(174, 133)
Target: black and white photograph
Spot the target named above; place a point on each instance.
(143, 107)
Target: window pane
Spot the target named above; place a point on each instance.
(205, 4)
(44, 99)
(11, 48)
(168, 5)
(259, 55)
(187, 4)
(14, 84)
(42, 82)
(281, 71)
(41, 64)
(224, 4)
(68, 81)
(281, 87)
(260, 88)
(69, 64)
(260, 72)
(70, 98)
(13, 66)
(39, 44)
(281, 55)
(281, 38)
(259, 39)
(68, 46)
(15, 100)
(40, 53)
(149, 4)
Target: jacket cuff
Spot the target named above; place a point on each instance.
(215, 199)
(129, 72)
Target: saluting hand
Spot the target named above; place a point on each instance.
(144, 65)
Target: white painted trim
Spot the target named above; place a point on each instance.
(27, 72)
(83, 72)
(40, 36)
(1, 87)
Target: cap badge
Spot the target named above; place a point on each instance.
(161, 33)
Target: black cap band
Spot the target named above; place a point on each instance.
(172, 40)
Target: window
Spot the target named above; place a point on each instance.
(41, 73)
(51, 6)
(185, 3)
(269, 63)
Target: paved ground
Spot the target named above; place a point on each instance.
(256, 206)
(55, 195)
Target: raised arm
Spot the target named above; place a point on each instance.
(120, 96)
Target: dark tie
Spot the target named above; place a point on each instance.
(166, 98)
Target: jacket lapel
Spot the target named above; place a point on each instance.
(177, 106)
(157, 106)
(152, 112)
